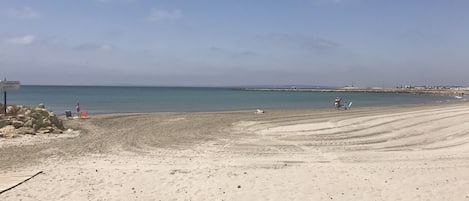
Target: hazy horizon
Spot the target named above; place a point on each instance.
(235, 43)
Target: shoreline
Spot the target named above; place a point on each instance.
(311, 109)
(151, 100)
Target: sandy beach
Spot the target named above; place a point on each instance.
(384, 153)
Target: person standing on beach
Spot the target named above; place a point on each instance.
(337, 102)
(78, 107)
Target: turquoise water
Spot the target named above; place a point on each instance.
(105, 99)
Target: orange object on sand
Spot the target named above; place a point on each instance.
(83, 115)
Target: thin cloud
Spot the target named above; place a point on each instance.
(21, 40)
(301, 41)
(215, 49)
(94, 47)
(247, 53)
(161, 15)
(227, 52)
(24, 13)
(319, 43)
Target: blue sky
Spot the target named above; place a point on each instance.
(235, 42)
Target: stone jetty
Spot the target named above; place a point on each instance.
(423, 91)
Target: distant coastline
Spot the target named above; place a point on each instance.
(461, 91)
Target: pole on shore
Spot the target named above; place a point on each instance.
(5, 99)
(5, 102)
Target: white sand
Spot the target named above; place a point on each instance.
(396, 153)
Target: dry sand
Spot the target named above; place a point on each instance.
(388, 153)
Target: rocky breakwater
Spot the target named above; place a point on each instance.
(23, 120)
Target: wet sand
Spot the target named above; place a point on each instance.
(385, 153)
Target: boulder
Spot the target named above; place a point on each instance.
(46, 122)
(8, 131)
(17, 124)
(25, 130)
(10, 109)
(56, 130)
(41, 105)
(41, 109)
(22, 109)
(21, 117)
(43, 131)
(29, 123)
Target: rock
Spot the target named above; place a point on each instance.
(22, 109)
(25, 130)
(10, 109)
(41, 105)
(17, 124)
(41, 109)
(46, 122)
(43, 130)
(57, 131)
(29, 123)
(8, 131)
(21, 117)
(27, 112)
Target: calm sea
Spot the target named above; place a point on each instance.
(107, 99)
